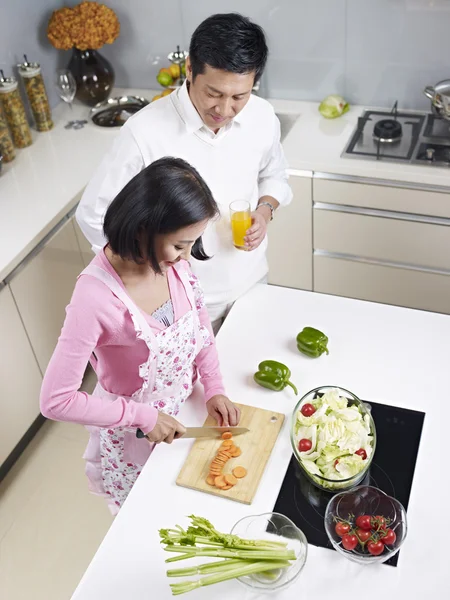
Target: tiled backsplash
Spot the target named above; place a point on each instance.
(23, 26)
(372, 51)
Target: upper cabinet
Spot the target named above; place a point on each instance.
(42, 288)
(290, 239)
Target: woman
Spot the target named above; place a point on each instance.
(138, 315)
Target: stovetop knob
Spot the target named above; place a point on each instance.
(430, 153)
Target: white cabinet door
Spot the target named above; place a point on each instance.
(43, 288)
(20, 379)
(85, 247)
(290, 239)
(380, 283)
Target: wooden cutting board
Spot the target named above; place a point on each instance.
(256, 446)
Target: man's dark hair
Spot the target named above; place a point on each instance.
(166, 196)
(229, 42)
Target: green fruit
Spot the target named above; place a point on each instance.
(164, 79)
(183, 68)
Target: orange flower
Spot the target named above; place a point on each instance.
(89, 25)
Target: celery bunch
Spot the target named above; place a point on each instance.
(240, 556)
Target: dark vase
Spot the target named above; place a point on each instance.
(94, 76)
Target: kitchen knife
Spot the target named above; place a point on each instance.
(205, 432)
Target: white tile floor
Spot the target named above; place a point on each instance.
(50, 525)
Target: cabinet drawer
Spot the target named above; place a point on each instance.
(387, 239)
(420, 202)
(85, 247)
(379, 283)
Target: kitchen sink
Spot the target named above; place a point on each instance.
(287, 121)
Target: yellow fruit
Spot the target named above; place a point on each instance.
(166, 93)
(174, 70)
(157, 97)
(165, 70)
(164, 79)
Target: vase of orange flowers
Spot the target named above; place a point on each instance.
(85, 28)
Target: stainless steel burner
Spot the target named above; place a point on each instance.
(387, 131)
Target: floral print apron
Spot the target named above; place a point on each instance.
(114, 457)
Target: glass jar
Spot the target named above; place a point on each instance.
(15, 112)
(6, 144)
(37, 95)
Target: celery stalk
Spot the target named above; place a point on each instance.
(255, 567)
(214, 567)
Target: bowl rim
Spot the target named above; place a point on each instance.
(297, 453)
(302, 536)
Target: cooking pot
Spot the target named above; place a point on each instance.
(440, 98)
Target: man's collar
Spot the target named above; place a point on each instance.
(192, 119)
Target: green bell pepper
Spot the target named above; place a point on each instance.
(312, 342)
(274, 376)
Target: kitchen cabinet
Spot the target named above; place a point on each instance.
(373, 242)
(290, 239)
(43, 286)
(20, 378)
(87, 253)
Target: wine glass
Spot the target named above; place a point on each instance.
(67, 87)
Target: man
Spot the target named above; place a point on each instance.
(230, 136)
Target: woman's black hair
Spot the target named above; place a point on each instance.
(229, 42)
(166, 196)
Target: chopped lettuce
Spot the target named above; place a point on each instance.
(336, 431)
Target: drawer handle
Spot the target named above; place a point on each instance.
(385, 214)
(380, 263)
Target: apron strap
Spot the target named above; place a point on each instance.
(120, 293)
(183, 274)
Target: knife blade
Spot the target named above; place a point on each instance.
(214, 432)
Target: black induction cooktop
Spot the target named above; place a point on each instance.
(392, 471)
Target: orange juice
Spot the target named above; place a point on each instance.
(241, 221)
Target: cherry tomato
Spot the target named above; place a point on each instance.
(375, 548)
(363, 535)
(378, 523)
(362, 453)
(336, 462)
(304, 445)
(342, 529)
(388, 538)
(308, 410)
(350, 541)
(364, 522)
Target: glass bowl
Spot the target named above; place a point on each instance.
(322, 482)
(273, 527)
(366, 500)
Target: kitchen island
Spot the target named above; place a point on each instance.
(381, 353)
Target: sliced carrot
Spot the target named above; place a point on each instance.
(239, 472)
(227, 487)
(237, 453)
(230, 480)
(210, 480)
(227, 444)
(227, 435)
(220, 481)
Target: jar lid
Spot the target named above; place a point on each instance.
(7, 84)
(29, 69)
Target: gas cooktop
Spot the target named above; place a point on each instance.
(401, 136)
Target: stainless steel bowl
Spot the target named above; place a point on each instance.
(440, 98)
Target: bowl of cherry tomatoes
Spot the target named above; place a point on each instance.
(366, 525)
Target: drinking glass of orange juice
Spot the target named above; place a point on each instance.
(241, 221)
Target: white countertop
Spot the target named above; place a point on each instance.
(43, 183)
(382, 353)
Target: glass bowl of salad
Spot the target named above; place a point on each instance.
(281, 534)
(365, 525)
(333, 438)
